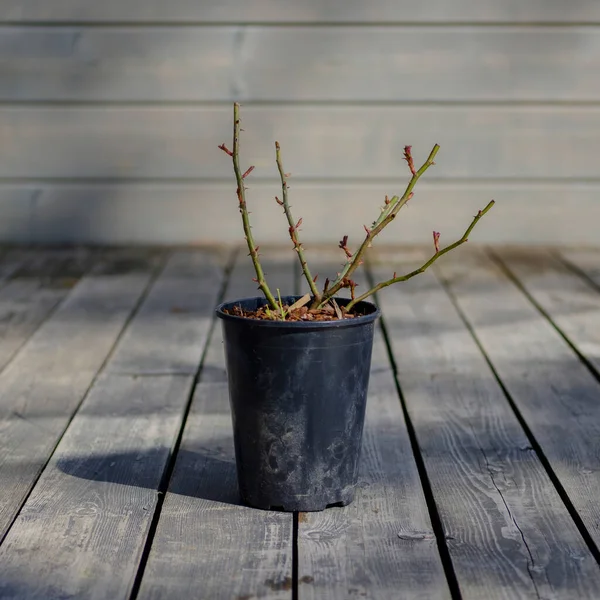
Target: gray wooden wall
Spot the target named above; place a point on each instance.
(111, 113)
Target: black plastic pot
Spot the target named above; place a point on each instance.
(298, 394)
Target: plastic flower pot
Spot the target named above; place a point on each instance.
(298, 393)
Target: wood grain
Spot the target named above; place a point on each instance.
(134, 142)
(31, 286)
(570, 302)
(316, 63)
(488, 484)
(554, 392)
(382, 545)
(95, 501)
(162, 213)
(307, 11)
(44, 384)
(82, 530)
(170, 331)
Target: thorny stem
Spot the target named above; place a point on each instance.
(388, 214)
(353, 260)
(293, 226)
(426, 265)
(241, 194)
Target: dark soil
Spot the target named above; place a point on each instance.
(303, 313)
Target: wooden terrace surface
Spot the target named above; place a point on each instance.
(480, 474)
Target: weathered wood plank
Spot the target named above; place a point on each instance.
(83, 529)
(127, 142)
(382, 545)
(307, 11)
(318, 64)
(169, 333)
(206, 544)
(572, 303)
(554, 392)
(504, 541)
(163, 213)
(33, 283)
(45, 382)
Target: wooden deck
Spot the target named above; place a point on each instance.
(480, 473)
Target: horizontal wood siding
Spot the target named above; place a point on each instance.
(325, 142)
(305, 11)
(212, 63)
(201, 212)
(110, 114)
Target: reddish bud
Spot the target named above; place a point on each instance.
(250, 169)
(394, 277)
(277, 147)
(343, 245)
(298, 223)
(226, 149)
(315, 278)
(367, 230)
(255, 280)
(409, 159)
(387, 200)
(280, 202)
(436, 241)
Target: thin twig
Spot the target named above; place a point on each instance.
(241, 194)
(388, 214)
(293, 225)
(425, 266)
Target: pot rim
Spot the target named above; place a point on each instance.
(357, 321)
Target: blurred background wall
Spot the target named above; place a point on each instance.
(111, 112)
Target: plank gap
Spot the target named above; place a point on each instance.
(574, 268)
(152, 278)
(535, 446)
(168, 472)
(509, 273)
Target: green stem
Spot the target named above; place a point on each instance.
(425, 265)
(387, 216)
(241, 194)
(293, 229)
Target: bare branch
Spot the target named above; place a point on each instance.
(241, 194)
(426, 265)
(293, 228)
(387, 215)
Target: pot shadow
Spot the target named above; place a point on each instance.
(207, 472)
